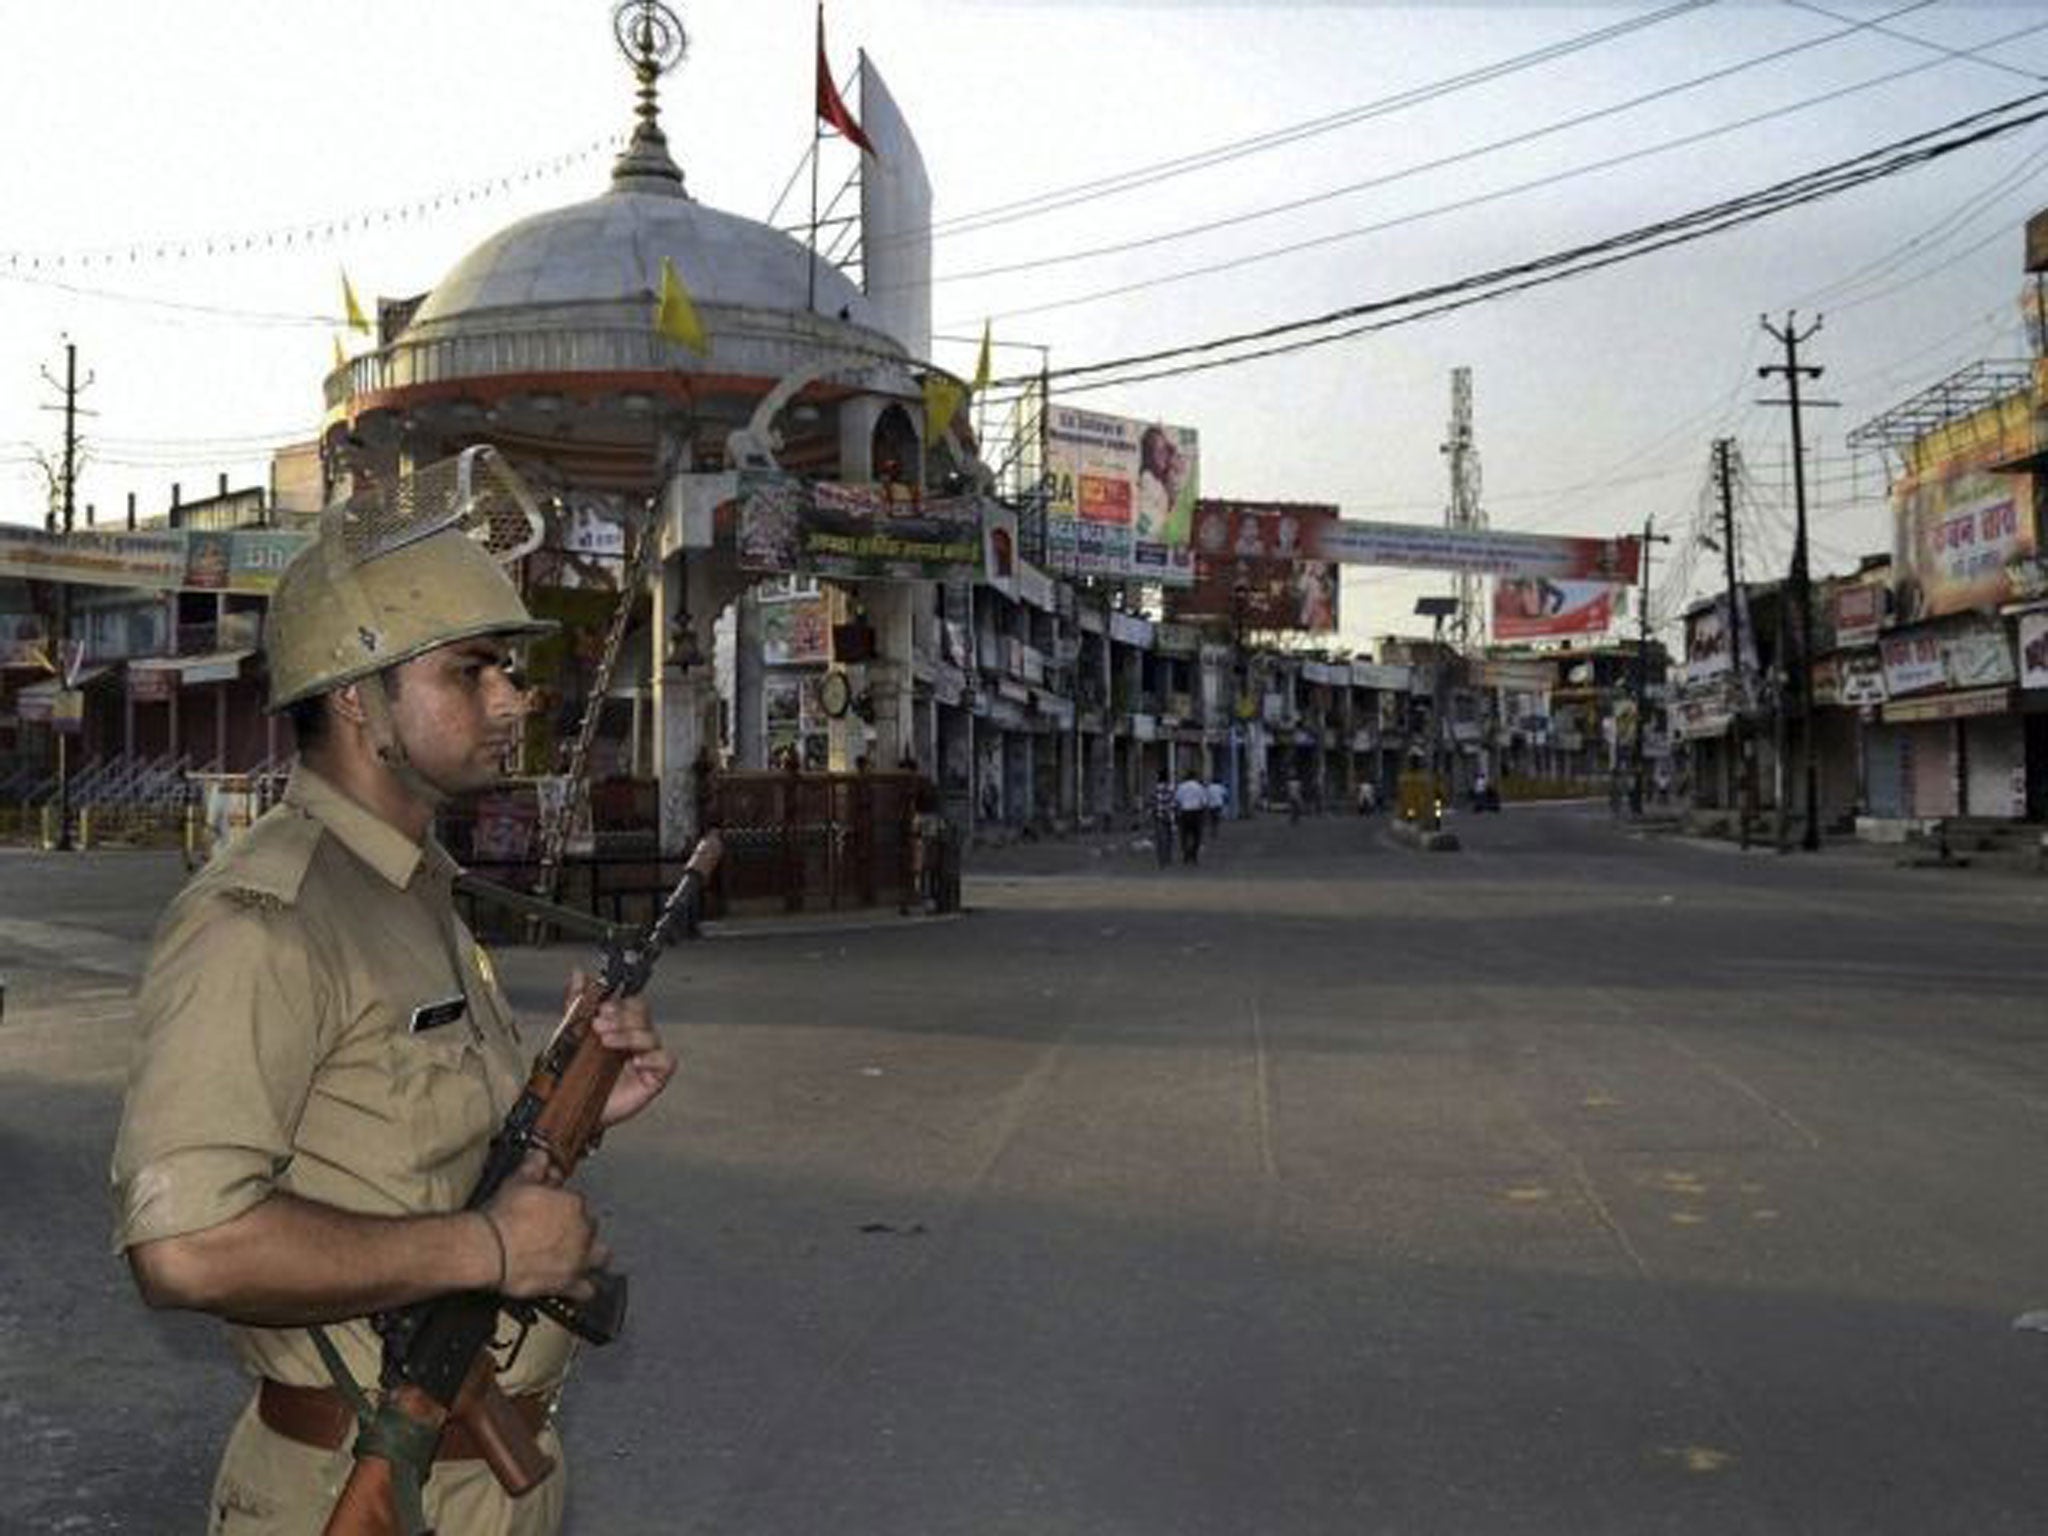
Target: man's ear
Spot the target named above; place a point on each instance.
(348, 704)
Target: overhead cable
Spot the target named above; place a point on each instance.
(1373, 183)
(1441, 298)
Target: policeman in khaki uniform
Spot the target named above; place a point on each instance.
(325, 1053)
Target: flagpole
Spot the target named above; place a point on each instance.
(817, 134)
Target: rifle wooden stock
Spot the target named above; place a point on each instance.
(502, 1437)
(368, 1505)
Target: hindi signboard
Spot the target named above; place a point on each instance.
(856, 532)
(1958, 526)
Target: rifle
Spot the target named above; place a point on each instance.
(438, 1367)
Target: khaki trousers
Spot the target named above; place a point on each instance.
(270, 1486)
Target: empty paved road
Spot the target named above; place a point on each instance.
(1574, 1183)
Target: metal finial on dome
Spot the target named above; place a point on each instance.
(651, 36)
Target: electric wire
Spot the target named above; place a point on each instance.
(1808, 187)
(1460, 205)
(1512, 141)
(1165, 170)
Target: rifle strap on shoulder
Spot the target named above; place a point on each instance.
(385, 1434)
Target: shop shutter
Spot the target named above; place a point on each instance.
(1930, 751)
(1884, 748)
(1996, 755)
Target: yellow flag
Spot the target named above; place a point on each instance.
(981, 364)
(676, 317)
(350, 309)
(942, 401)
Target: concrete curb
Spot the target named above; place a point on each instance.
(800, 927)
(1421, 840)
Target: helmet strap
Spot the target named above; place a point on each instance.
(383, 731)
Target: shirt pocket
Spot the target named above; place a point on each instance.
(441, 1108)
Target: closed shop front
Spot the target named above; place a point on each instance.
(1995, 774)
(1931, 769)
(1885, 779)
(1838, 754)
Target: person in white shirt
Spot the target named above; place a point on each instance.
(1218, 799)
(1191, 799)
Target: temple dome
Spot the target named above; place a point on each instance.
(607, 252)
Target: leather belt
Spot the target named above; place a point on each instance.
(321, 1417)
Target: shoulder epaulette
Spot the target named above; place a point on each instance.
(266, 865)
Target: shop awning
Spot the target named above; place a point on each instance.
(38, 701)
(206, 667)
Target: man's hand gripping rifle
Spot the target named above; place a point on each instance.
(438, 1362)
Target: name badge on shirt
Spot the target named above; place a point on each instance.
(433, 1015)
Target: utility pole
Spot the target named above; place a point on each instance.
(1745, 785)
(69, 491)
(1802, 583)
(1635, 794)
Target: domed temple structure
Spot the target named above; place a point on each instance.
(542, 342)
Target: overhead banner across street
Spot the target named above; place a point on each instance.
(1475, 551)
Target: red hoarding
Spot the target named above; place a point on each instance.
(1251, 569)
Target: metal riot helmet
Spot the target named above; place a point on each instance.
(399, 569)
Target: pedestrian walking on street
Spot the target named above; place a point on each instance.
(1191, 799)
(1219, 799)
(1163, 814)
(325, 1054)
(1293, 798)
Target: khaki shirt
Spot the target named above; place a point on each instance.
(278, 1052)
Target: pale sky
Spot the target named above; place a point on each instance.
(135, 130)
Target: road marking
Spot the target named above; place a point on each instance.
(1738, 1084)
(1701, 1460)
(1262, 1093)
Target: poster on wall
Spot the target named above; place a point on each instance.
(795, 632)
(1122, 496)
(2034, 650)
(1709, 640)
(1250, 571)
(1856, 614)
(1537, 608)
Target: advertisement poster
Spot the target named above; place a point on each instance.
(1249, 569)
(856, 532)
(257, 557)
(2034, 650)
(1537, 608)
(1957, 527)
(1912, 663)
(1857, 612)
(1122, 496)
(795, 632)
(1708, 641)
